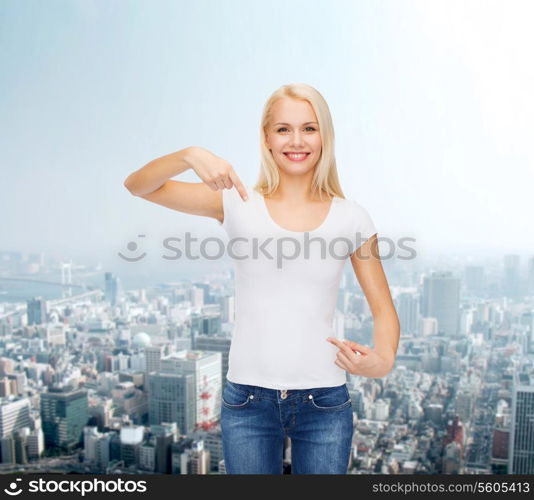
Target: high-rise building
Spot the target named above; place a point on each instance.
(90, 438)
(96, 448)
(147, 455)
(213, 443)
(216, 344)
(153, 355)
(64, 412)
(36, 443)
(7, 366)
(227, 303)
(196, 296)
(14, 415)
(521, 454)
(205, 366)
(131, 439)
(36, 310)
(177, 450)
(511, 283)
(171, 398)
(408, 307)
(206, 323)
(527, 319)
(195, 460)
(205, 287)
(165, 435)
(441, 300)
(7, 447)
(530, 276)
(113, 288)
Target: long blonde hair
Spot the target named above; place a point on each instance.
(325, 179)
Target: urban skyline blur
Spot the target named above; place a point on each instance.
(102, 377)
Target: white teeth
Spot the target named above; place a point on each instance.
(296, 156)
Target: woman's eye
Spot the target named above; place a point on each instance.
(284, 128)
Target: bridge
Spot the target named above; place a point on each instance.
(45, 282)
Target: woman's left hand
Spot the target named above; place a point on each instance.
(359, 359)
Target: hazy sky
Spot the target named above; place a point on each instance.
(432, 105)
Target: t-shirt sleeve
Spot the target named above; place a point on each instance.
(363, 225)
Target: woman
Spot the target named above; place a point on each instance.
(287, 373)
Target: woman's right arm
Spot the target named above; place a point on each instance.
(152, 182)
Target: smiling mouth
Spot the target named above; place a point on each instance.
(297, 156)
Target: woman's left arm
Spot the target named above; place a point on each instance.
(379, 361)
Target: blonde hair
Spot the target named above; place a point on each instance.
(325, 178)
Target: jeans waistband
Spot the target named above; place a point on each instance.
(274, 394)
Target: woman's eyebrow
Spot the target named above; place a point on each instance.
(283, 123)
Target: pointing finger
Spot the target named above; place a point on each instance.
(239, 186)
(342, 346)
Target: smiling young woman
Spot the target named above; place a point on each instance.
(287, 372)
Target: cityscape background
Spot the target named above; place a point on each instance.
(98, 378)
(109, 366)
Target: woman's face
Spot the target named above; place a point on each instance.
(294, 128)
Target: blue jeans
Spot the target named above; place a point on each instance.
(255, 420)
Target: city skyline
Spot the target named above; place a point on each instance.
(131, 380)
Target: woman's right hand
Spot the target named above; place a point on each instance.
(214, 171)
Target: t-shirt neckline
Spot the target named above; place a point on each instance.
(278, 226)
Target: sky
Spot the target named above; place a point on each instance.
(432, 106)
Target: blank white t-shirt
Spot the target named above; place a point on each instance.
(285, 296)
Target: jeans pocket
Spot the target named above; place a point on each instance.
(331, 399)
(233, 397)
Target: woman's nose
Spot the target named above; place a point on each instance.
(296, 139)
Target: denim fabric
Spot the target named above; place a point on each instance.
(255, 420)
